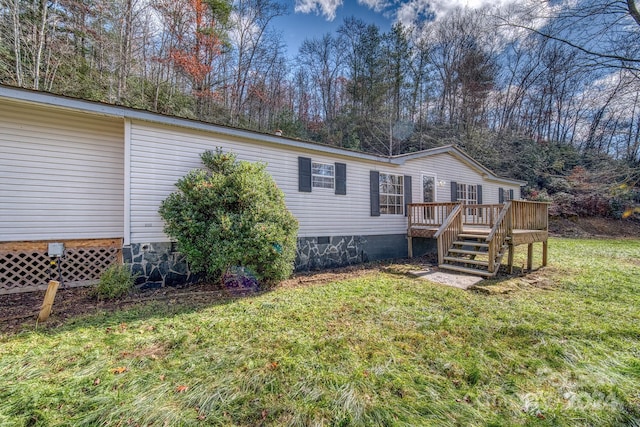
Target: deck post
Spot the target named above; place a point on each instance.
(530, 256)
(544, 253)
(511, 259)
(410, 246)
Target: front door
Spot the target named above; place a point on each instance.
(428, 188)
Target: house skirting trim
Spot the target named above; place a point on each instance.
(159, 265)
(318, 253)
(27, 266)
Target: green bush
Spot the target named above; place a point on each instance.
(231, 214)
(115, 281)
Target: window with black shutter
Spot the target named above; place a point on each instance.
(332, 176)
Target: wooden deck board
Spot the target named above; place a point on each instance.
(518, 237)
(525, 237)
(426, 232)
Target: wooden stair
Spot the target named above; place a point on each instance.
(469, 254)
(466, 234)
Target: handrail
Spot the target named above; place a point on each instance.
(528, 215)
(448, 232)
(498, 235)
(499, 220)
(428, 214)
(483, 215)
(446, 222)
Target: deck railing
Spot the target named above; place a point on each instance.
(498, 235)
(448, 232)
(527, 215)
(429, 214)
(481, 215)
(530, 219)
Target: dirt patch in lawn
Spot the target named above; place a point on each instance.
(506, 284)
(20, 310)
(594, 227)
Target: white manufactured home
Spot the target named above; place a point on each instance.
(92, 176)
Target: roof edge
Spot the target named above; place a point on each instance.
(101, 108)
(109, 110)
(457, 152)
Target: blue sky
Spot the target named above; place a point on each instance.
(298, 26)
(314, 18)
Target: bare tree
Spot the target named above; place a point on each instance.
(323, 61)
(30, 26)
(465, 68)
(252, 44)
(606, 33)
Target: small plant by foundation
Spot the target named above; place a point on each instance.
(115, 282)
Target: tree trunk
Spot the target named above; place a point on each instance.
(17, 42)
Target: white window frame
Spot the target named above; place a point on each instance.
(391, 194)
(320, 178)
(429, 212)
(464, 196)
(506, 194)
(463, 193)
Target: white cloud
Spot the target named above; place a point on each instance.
(326, 8)
(375, 5)
(528, 13)
(408, 12)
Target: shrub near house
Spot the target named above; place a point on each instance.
(231, 214)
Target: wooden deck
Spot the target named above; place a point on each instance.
(475, 238)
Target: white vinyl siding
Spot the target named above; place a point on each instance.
(447, 168)
(160, 155)
(61, 174)
(65, 174)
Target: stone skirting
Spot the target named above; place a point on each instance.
(317, 253)
(159, 264)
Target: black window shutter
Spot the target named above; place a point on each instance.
(341, 178)
(407, 193)
(374, 182)
(501, 195)
(479, 189)
(304, 174)
(454, 191)
(511, 194)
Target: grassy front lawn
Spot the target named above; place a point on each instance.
(563, 349)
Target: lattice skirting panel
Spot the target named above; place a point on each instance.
(26, 266)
